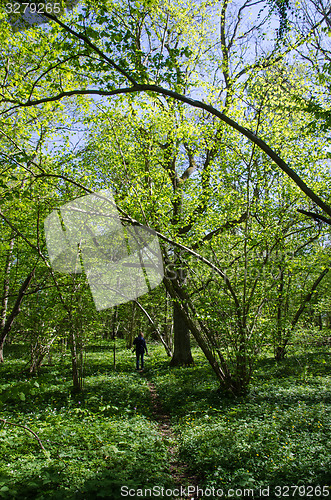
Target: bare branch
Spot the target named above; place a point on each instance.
(227, 225)
(26, 429)
(314, 216)
(88, 42)
(213, 111)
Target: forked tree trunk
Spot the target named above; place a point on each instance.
(229, 383)
(38, 354)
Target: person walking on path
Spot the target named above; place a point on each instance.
(140, 348)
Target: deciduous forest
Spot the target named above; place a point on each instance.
(209, 123)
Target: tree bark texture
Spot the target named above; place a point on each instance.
(182, 345)
(15, 311)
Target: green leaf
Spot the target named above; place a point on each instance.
(22, 396)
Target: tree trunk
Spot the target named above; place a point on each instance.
(76, 379)
(281, 349)
(182, 345)
(1, 349)
(243, 371)
(4, 305)
(168, 326)
(114, 323)
(280, 353)
(15, 311)
(221, 370)
(182, 355)
(131, 336)
(38, 353)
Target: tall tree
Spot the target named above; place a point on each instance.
(147, 49)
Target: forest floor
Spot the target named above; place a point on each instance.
(147, 435)
(179, 470)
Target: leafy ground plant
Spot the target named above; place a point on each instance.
(94, 442)
(106, 437)
(279, 435)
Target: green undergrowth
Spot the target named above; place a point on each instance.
(106, 437)
(278, 435)
(94, 442)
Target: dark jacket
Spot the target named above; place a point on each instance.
(140, 344)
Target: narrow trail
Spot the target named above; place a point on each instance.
(178, 469)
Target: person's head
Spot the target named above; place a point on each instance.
(140, 334)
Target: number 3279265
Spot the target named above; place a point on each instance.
(34, 8)
(302, 491)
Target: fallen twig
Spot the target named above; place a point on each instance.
(25, 428)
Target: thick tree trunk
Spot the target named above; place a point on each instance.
(280, 353)
(182, 355)
(182, 345)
